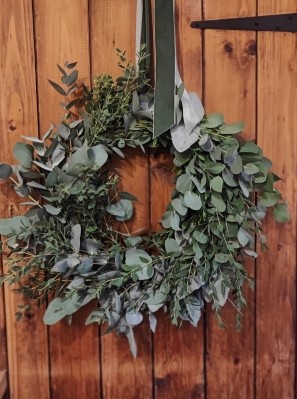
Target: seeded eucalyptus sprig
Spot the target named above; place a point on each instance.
(68, 244)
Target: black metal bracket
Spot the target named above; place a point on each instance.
(273, 23)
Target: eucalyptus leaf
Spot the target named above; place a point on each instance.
(175, 221)
(75, 237)
(178, 206)
(54, 312)
(222, 258)
(236, 166)
(14, 226)
(57, 87)
(153, 322)
(24, 154)
(243, 237)
(200, 237)
(281, 213)
(100, 155)
(5, 171)
(192, 200)
(171, 245)
(218, 202)
(217, 184)
(184, 183)
(127, 196)
(235, 128)
(214, 167)
(214, 120)
(250, 169)
(133, 317)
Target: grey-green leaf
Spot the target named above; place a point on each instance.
(243, 237)
(250, 169)
(222, 258)
(54, 312)
(133, 317)
(52, 209)
(233, 128)
(75, 237)
(193, 200)
(174, 221)
(57, 87)
(281, 213)
(178, 206)
(23, 152)
(214, 167)
(184, 183)
(236, 166)
(218, 203)
(100, 155)
(214, 120)
(217, 184)
(171, 245)
(5, 171)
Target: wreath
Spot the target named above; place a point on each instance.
(69, 249)
(68, 246)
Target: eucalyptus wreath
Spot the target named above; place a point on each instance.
(68, 249)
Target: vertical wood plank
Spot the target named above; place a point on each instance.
(3, 348)
(230, 88)
(28, 369)
(178, 352)
(62, 34)
(113, 26)
(276, 269)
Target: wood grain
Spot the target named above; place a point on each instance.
(262, 356)
(276, 269)
(178, 352)
(3, 348)
(27, 339)
(230, 88)
(3, 383)
(61, 28)
(113, 26)
(61, 34)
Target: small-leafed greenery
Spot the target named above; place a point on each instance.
(67, 247)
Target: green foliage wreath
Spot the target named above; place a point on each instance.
(67, 249)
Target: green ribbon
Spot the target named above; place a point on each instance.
(174, 108)
(164, 106)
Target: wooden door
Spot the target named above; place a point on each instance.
(245, 75)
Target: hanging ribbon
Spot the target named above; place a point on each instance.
(164, 105)
(174, 108)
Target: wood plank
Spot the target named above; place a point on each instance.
(113, 25)
(3, 383)
(178, 352)
(3, 347)
(61, 28)
(28, 369)
(276, 269)
(230, 88)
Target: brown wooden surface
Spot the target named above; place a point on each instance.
(113, 26)
(246, 76)
(3, 348)
(61, 28)
(26, 340)
(3, 383)
(276, 269)
(230, 72)
(178, 352)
